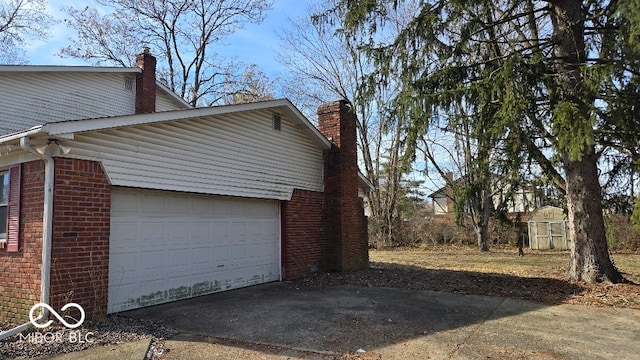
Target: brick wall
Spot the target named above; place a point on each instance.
(80, 246)
(345, 247)
(20, 271)
(301, 233)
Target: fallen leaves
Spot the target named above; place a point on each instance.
(432, 271)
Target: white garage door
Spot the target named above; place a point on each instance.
(167, 246)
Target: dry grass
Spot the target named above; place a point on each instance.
(535, 263)
(538, 276)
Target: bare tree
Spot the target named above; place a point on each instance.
(183, 32)
(332, 67)
(20, 21)
(257, 86)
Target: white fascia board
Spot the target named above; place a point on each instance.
(75, 69)
(365, 183)
(75, 126)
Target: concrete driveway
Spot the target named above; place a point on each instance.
(389, 323)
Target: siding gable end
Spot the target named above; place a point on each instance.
(236, 154)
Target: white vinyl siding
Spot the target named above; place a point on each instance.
(31, 99)
(523, 200)
(236, 154)
(165, 102)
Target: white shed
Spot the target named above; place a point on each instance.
(548, 229)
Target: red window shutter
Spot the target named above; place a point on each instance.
(13, 208)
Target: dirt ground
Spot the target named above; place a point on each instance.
(539, 276)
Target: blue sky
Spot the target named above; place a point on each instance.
(256, 43)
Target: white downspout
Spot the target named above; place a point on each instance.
(47, 229)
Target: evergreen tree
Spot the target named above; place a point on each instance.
(551, 81)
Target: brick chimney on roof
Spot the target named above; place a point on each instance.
(146, 83)
(345, 246)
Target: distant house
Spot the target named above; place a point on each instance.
(442, 200)
(523, 201)
(116, 194)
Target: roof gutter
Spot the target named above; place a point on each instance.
(18, 136)
(47, 227)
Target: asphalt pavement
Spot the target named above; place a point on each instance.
(398, 324)
(284, 321)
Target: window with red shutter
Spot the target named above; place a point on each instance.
(13, 209)
(4, 202)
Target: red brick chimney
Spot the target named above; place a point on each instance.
(345, 245)
(146, 83)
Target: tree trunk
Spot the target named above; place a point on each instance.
(482, 233)
(482, 225)
(590, 260)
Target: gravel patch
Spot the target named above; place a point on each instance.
(110, 330)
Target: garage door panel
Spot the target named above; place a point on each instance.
(238, 231)
(122, 203)
(130, 291)
(201, 257)
(123, 234)
(270, 228)
(220, 230)
(221, 208)
(268, 252)
(178, 231)
(148, 294)
(176, 205)
(152, 261)
(220, 255)
(255, 229)
(178, 259)
(201, 232)
(203, 286)
(167, 246)
(201, 206)
(239, 208)
(153, 203)
(125, 262)
(262, 210)
(178, 293)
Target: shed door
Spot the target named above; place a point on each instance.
(167, 246)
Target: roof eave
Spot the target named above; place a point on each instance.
(365, 183)
(40, 129)
(173, 95)
(69, 69)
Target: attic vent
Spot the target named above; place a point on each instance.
(277, 122)
(128, 84)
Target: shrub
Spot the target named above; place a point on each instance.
(426, 230)
(621, 234)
